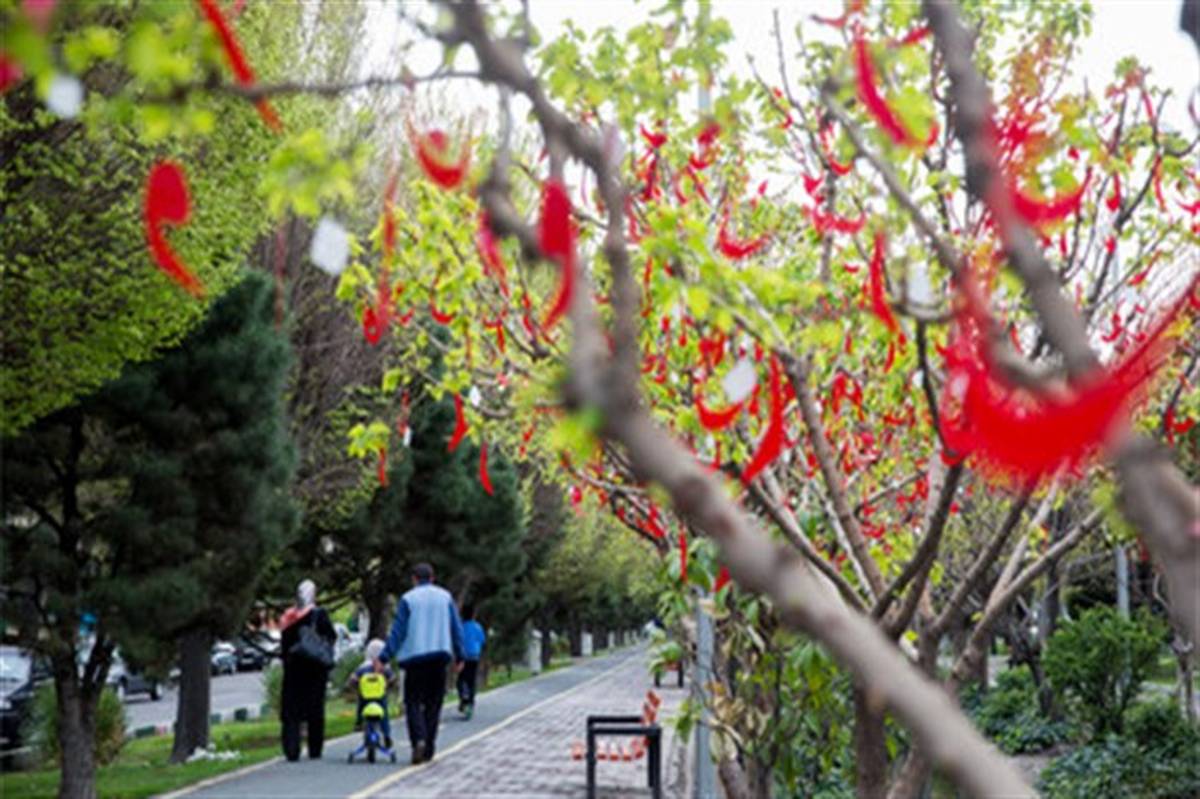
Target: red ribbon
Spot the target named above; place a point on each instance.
(167, 203)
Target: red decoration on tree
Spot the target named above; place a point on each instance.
(737, 248)
(460, 425)
(167, 203)
(868, 93)
(484, 479)
(489, 253)
(242, 71)
(655, 140)
(1040, 212)
(772, 441)
(1173, 427)
(683, 556)
(440, 317)
(1114, 200)
(556, 236)
(890, 360)
(715, 420)
(879, 303)
(434, 158)
(1032, 434)
(372, 325)
(10, 72)
(915, 35)
(722, 579)
(381, 467)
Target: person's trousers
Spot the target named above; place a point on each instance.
(466, 682)
(424, 689)
(316, 733)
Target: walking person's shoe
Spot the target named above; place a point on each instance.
(469, 711)
(418, 752)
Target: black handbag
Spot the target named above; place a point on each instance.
(311, 646)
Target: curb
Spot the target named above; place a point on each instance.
(249, 713)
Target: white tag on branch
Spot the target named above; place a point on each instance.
(919, 290)
(65, 96)
(407, 435)
(740, 381)
(474, 396)
(330, 246)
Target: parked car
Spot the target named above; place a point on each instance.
(128, 681)
(20, 674)
(252, 653)
(224, 658)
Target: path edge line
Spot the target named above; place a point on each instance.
(396, 776)
(227, 776)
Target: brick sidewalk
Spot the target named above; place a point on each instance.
(530, 757)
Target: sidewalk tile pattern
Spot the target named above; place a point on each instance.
(531, 757)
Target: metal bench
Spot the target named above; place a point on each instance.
(647, 742)
(677, 667)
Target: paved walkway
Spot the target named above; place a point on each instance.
(529, 754)
(518, 744)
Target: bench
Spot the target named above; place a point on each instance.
(677, 666)
(647, 742)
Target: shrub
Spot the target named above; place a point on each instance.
(109, 732)
(1009, 714)
(272, 680)
(341, 672)
(1097, 664)
(1157, 758)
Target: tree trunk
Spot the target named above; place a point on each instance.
(575, 636)
(733, 779)
(76, 709)
(1183, 673)
(870, 747)
(376, 604)
(547, 647)
(195, 694)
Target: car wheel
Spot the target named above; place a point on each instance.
(122, 690)
(155, 692)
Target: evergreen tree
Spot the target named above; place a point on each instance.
(432, 509)
(209, 461)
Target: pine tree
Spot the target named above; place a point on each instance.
(209, 461)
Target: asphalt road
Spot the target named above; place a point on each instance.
(229, 692)
(332, 776)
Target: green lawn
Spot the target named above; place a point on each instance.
(142, 770)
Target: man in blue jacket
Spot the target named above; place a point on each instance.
(426, 634)
(473, 640)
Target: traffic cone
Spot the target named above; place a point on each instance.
(626, 754)
(577, 750)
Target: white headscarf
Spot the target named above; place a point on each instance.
(374, 647)
(306, 594)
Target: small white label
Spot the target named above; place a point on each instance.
(407, 435)
(65, 96)
(474, 396)
(740, 381)
(330, 246)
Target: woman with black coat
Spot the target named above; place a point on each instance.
(304, 677)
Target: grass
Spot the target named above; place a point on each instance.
(501, 676)
(141, 769)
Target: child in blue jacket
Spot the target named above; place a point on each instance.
(473, 640)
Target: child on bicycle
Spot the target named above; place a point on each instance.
(368, 666)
